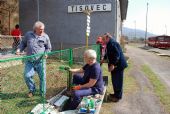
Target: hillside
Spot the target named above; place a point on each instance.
(131, 33)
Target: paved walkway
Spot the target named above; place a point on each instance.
(160, 52)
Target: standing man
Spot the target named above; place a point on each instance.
(16, 33)
(116, 65)
(37, 42)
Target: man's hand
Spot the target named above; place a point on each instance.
(45, 56)
(67, 68)
(18, 52)
(111, 68)
(78, 87)
(102, 61)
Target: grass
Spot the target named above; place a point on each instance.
(159, 88)
(14, 90)
(130, 84)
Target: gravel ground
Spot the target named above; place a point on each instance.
(158, 64)
(143, 101)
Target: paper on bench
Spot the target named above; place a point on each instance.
(61, 100)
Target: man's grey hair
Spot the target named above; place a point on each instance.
(38, 24)
(91, 54)
(107, 34)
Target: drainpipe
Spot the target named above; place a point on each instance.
(38, 10)
(115, 32)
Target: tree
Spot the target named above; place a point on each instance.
(8, 15)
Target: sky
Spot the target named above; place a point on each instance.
(158, 16)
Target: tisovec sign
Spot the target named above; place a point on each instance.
(91, 7)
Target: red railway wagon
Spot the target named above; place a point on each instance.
(162, 41)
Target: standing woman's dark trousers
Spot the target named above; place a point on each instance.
(117, 81)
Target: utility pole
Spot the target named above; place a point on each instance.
(146, 23)
(165, 29)
(135, 28)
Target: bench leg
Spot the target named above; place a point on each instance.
(105, 96)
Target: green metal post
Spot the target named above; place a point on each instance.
(98, 53)
(69, 81)
(71, 57)
(43, 62)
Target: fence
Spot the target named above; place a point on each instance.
(14, 91)
(8, 44)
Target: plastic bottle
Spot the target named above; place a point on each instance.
(92, 104)
(87, 101)
(83, 103)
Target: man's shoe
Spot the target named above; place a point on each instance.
(30, 94)
(114, 99)
(112, 95)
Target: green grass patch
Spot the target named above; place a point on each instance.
(159, 88)
(13, 94)
(130, 84)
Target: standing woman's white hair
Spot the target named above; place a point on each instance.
(91, 54)
(38, 24)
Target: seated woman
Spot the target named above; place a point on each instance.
(90, 83)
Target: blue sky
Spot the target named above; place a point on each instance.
(158, 16)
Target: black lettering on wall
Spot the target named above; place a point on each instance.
(72, 7)
(76, 8)
(86, 8)
(81, 9)
(98, 7)
(92, 7)
(104, 7)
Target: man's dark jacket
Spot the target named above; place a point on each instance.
(114, 54)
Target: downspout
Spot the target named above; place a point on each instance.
(115, 32)
(38, 11)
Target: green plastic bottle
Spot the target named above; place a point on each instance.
(92, 104)
(86, 103)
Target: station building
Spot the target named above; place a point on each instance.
(67, 23)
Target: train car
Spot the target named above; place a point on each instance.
(162, 41)
(152, 41)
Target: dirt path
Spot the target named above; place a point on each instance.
(158, 64)
(143, 101)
